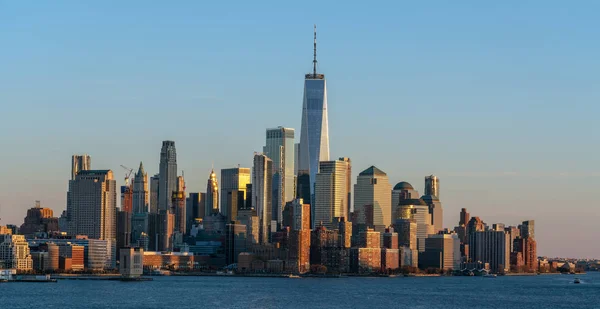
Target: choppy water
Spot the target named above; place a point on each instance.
(553, 291)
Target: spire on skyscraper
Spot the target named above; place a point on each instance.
(315, 53)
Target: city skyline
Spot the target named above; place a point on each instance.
(512, 177)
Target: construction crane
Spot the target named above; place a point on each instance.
(128, 175)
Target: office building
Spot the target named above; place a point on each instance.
(140, 191)
(248, 217)
(262, 176)
(39, 220)
(418, 211)
(178, 202)
(154, 183)
(314, 132)
(131, 264)
(528, 229)
(168, 175)
(195, 207)
(233, 190)
(93, 204)
(490, 247)
(279, 147)
(402, 191)
(80, 163)
(464, 217)
(212, 194)
(331, 192)
(442, 251)
(139, 228)
(123, 230)
(435, 210)
(432, 186)
(236, 240)
(373, 189)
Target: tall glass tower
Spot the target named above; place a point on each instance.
(167, 181)
(280, 148)
(314, 134)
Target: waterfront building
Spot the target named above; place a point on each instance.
(314, 132)
(235, 242)
(279, 147)
(212, 194)
(527, 248)
(233, 190)
(123, 230)
(490, 247)
(262, 176)
(331, 192)
(39, 220)
(373, 189)
(71, 257)
(140, 191)
(14, 252)
(131, 264)
(154, 183)
(168, 175)
(442, 251)
(93, 205)
(97, 254)
(153, 260)
(366, 258)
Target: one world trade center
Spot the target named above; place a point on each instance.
(314, 134)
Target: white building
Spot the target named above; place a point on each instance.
(14, 252)
(372, 198)
(280, 149)
(331, 192)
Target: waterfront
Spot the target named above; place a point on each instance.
(557, 291)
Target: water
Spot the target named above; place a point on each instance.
(552, 291)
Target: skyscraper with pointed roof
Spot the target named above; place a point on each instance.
(140, 191)
(168, 175)
(372, 198)
(314, 134)
(212, 194)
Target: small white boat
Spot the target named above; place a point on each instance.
(576, 281)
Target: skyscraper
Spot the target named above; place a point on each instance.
(279, 148)
(179, 206)
(93, 204)
(372, 191)
(168, 175)
(464, 217)
(80, 163)
(403, 191)
(314, 134)
(154, 183)
(262, 176)
(432, 186)
(331, 193)
(140, 191)
(212, 194)
(490, 247)
(233, 179)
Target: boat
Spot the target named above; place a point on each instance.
(576, 281)
(490, 276)
(294, 276)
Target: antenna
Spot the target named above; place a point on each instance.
(315, 53)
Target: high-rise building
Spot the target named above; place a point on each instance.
(168, 175)
(402, 191)
(39, 220)
(441, 251)
(314, 134)
(435, 210)
(140, 191)
(490, 247)
(80, 163)
(179, 207)
(407, 240)
(279, 148)
(373, 189)
(418, 211)
(127, 198)
(528, 229)
(93, 204)
(14, 252)
(432, 186)
(464, 217)
(233, 179)
(366, 258)
(195, 204)
(331, 193)
(154, 183)
(123, 230)
(262, 175)
(236, 240)
(212, 194)
(527, 247)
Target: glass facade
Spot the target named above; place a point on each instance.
(314, 135)
(280, 148)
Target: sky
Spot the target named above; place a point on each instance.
(499, 100)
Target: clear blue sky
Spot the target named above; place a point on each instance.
(500, 100)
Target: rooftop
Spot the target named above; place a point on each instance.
(372, 171)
